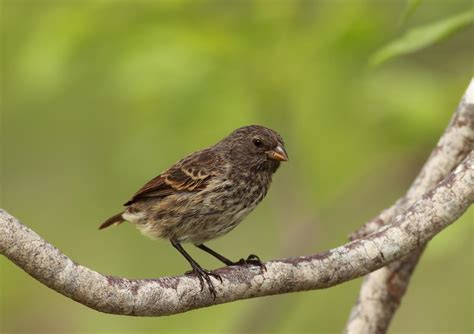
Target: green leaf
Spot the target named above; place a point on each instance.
(412, 5)
(422, 37)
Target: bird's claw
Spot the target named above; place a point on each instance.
(204, 275)
(254, 260)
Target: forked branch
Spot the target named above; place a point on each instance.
(383, 290)
(434, 211)
(427, 209)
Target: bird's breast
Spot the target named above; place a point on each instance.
(242, 192)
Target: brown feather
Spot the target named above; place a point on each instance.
(190, 174)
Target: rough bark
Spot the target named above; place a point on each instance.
(434, 211)
(382, 291)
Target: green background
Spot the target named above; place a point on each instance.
(100, 96)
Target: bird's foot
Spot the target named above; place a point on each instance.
(204, 275)
(254, 260)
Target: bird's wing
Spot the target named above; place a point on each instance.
(193, 173)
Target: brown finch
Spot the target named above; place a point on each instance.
(207, 194)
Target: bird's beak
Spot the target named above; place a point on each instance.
(278, 153)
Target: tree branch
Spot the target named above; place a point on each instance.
(382, 291)
(435, 210)
(456, 142)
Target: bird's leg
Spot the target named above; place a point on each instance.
(218, 256)
(201, 273)
(251, 259)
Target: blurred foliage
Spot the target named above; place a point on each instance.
(410, 9)
(100, 96)
(421, 37)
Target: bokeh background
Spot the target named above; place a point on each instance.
(100, 96)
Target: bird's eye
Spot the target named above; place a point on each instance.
(257, 142)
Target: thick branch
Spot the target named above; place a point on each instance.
(383, 290)
(169, 295)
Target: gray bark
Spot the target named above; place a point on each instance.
(383, 290)
(434, 211)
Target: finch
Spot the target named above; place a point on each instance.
(207, 194)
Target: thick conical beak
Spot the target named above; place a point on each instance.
(278, 153)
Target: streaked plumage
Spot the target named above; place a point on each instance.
(209, 192)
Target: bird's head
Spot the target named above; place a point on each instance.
(255, 147)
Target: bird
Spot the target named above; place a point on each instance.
(207, 194)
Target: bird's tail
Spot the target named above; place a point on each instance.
(116, 219)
